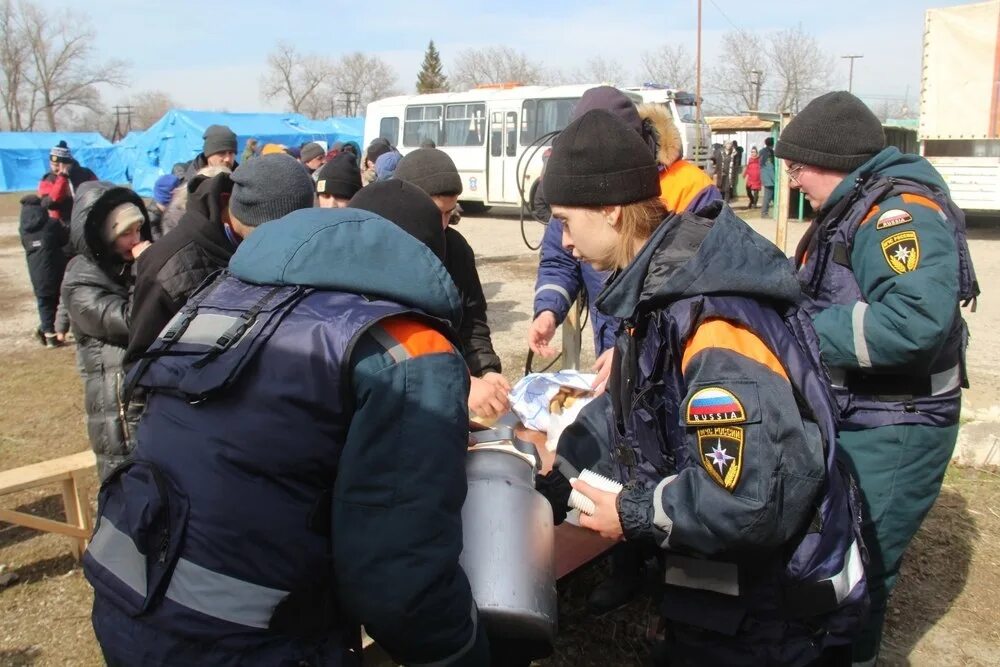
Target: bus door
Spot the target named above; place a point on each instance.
(502, 155)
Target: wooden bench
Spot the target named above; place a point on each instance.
(76, 474)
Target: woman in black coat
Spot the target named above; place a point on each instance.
(104, 231)
(43, 238)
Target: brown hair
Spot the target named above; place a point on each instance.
(638, 222)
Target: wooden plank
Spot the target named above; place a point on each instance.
(38, 523)
(53, 470)
(575, 547)
(75, 514)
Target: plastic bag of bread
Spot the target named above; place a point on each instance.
(548, 402)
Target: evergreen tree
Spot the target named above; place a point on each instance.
(431, 78)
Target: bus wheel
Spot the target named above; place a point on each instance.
(538, 207)
(474, 207)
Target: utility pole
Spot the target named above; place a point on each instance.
(697, 84)
(122, 110)
(756, 79)
(850, 76)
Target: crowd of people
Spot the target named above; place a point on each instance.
(281, 358)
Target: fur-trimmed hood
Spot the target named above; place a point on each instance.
(669, 145)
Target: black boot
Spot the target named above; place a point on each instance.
(626, 580)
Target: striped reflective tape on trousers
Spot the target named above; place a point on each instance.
(555, 288)
(191, 585)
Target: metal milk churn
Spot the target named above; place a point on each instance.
(508, 552)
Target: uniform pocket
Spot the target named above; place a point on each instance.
(141, 521)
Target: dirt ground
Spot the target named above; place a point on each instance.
(943, 612)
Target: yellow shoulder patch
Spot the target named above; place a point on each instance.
(902, 251)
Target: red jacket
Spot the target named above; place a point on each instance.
(752, 173)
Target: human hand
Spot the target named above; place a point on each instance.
(540, 333)
(603, 369)
(486, 400)
(140, 248)
(605, 519)
(498, 381)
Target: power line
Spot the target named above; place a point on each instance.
(726, 16)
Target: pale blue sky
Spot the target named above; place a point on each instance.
(211, 54)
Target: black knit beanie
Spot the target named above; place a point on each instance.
(377, 147)
(339, 177)
(835, 131)
(406, 205)
(431, 170)
(218, 139)
(270, 187)
(598, 160)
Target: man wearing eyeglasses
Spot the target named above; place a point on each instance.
(886, 266)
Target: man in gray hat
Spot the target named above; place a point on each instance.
(886, 266)
(218, 150)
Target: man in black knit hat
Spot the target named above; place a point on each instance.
(434, 172)
(885, 265)
(337, 181)
(218, 150)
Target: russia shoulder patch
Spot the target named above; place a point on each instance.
(902, 251)
(721, 451)
(715, 405)
(892, 218)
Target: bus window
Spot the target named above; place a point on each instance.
(464, 125)
(388, 128)
(544, 116)
(511, 127)
(422, 123)
(496, 134)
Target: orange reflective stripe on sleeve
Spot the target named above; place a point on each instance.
(725, 335)
(921, 200)
(871, 214)
(415, 337)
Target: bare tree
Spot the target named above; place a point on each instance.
(13, 61)
(730, 83)
(149, 106)
(597, 70)
(364, 78)
(494, 64)
(801, 68)
(669, 65)
(295, 78)
(62, 73)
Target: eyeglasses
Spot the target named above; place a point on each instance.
(794, 171)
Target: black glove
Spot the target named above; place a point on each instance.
(556, 489)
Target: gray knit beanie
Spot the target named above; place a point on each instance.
(270, 187)
(218, 139)
(835, 131)
(431, 170)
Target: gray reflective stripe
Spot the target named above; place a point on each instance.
(206, 328)
(844, 581)
(702, 574)
(391, 345)
(860, 344)
(555, 288)
(946, 381)
(661, 521)
(116, 552)
(221, 596)
(460, 652)
(191, 585)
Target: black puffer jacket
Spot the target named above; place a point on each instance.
(474, 332)
(43, 239)
(96, 293)
(173, 268)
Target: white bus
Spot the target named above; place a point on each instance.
(490, 133)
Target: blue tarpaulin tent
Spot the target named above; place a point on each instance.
(24, 157)
(177, 137)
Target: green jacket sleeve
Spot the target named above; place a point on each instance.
(906, 263)
(397, 507)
